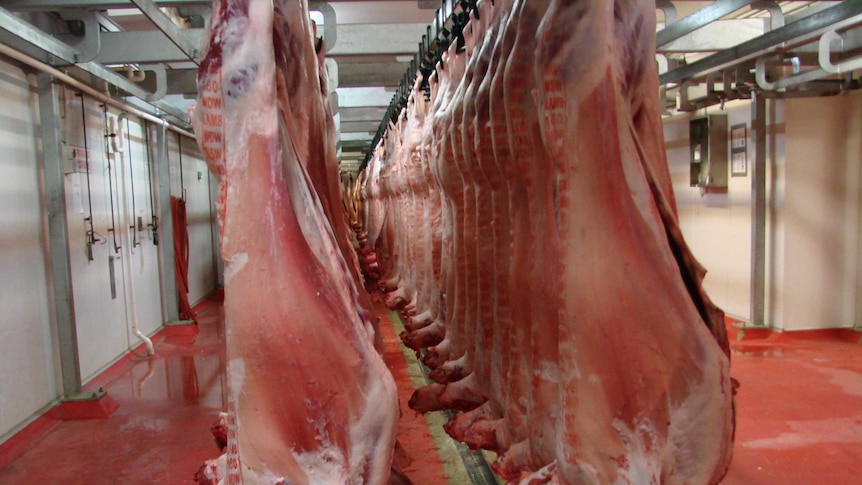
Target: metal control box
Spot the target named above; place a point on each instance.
(708, 138)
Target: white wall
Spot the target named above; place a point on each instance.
(28, 380)
(821, 212)
(814, 147)
(101, 320)
(145, 253)
(717, 226)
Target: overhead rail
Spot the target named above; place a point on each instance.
(48, 50)
(454, 14)
(34, 5)
(706, 15)
(842, 15)
(152, 11)
(448, 27)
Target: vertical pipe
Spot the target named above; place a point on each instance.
(109, 156)
(758, 211)
(154, 219)
(58, 236)
(128, 269)
(91, 233)
(167, 276)
(134, 242)
(218, 264)
(182, 180)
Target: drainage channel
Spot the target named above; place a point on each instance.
(474, 462)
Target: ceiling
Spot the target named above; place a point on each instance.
(369, 50)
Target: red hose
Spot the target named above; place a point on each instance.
(181, 256)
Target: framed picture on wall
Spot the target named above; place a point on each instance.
(739, 150)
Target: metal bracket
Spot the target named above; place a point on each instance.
(802, 77)
(684, 103)
(89, 45)
(669, 11)
(776, 16)
(161, 81)
(85, 396)
(330, 31)
(760, 74)
(662, 62)
(824, 55)
(332, 73)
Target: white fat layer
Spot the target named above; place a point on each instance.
(367, 451)
(325, 466)
(250, 56)
(701, 426)
(547, 370)
(643, 464)
(236, 367)
(547, 472)
(233, 265)
(379, 419)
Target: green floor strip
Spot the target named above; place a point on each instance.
(463, 466)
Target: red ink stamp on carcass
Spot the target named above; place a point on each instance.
(212, 119)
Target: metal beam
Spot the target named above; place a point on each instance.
(68, 55)
(802, 29)
(364, 39)
(358, 135)
(716, 36)
(144, 47)
(330, 22)
(26, 32)
(180, 81)
(355, 144)
(169, 28)
(362, 114)
(758, 212)
(359, 97)
(124, 84)
(58, 236)
(352, 126)
(698, 19)
(359, 74)
(25, 5)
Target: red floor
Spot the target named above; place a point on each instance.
(799, 409)
(799, 416)
(161, 431)
(159, 434)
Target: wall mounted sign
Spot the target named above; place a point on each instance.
(739, 150)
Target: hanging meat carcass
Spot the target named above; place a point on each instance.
(578, 341)
(311, 399)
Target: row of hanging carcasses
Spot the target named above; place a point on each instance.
(522, 220)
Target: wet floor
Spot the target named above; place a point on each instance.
(160, 432)
(799, 409)
(799, 415)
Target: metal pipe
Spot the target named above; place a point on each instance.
(109, 155)
(127, 256)
(839, 16)
(758, 212)
(91, 234)
(133, 227)
(65, 78)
